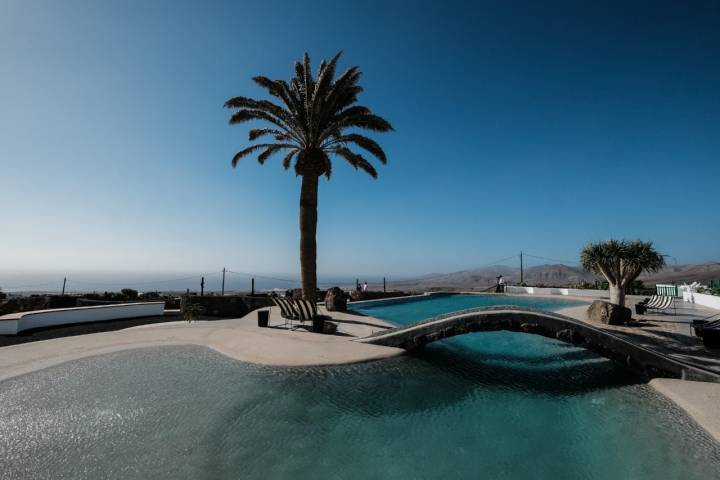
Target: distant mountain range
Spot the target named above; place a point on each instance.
(550, 275)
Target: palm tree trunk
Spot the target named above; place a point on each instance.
(617, 294)
(308, 229)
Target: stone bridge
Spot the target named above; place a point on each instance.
(649, 363)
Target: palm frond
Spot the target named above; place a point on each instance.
(248, 150)
(245, 115)
(364, 142)
(356, 160)
(256, 133)
(368, 121)
(307, 79)
(311, 119)
(288, 159)
(269, 151)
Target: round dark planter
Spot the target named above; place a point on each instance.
(318, 325)
(263, 318)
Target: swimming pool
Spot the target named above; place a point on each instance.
(403, 311)
(487, 405)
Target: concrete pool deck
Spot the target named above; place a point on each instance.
(240, 339)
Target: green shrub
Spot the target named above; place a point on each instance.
(191, 311)
(129, 293)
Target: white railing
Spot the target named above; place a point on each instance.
(667, 290)
(13, 323)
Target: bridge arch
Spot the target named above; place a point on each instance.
(649, 363)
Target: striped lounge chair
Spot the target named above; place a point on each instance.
(299, 310)
(287, 309)
(642, 306)
(651, 301)
(307, 310)
(663, 302)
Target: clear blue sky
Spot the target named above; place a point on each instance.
(537, 126)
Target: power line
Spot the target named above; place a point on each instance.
(572, 262)
(153, 282)
(252, 275)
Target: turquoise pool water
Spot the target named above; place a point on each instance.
(481, 406)
(404, 311)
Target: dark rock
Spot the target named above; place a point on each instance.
(335, 300)
(609, 313)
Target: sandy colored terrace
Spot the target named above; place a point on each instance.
(240, 339)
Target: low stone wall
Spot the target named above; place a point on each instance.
(359, 296)
(231, 306)
(36, 302)
(397, 300)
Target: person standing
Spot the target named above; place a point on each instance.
(500, 286)
(365, 287)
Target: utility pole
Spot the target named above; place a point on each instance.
(222, 292)
(384, 286)
(521, 268)
(202, 286)
(64, 282)
(357, 284)
(252, 288)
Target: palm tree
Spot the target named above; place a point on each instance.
(313, 122)
(621, 262)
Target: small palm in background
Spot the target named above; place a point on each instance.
(621, 263)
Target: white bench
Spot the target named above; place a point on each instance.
(13, 323)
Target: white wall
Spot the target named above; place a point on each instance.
(712, 301)
(17, 322)
(576, 292)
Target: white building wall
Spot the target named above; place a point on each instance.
(576, 292)
(712, 301)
